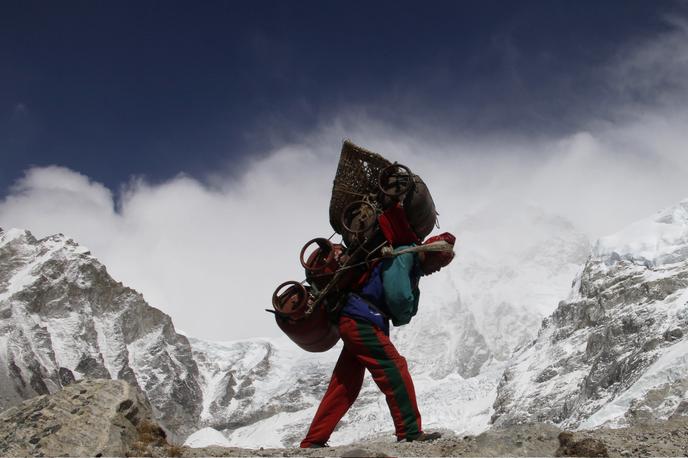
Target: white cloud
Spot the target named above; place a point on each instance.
(211, 257)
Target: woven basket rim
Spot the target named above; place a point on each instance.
(353, 179)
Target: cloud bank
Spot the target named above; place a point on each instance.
(210, 251)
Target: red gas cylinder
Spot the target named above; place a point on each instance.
(313, 332)
(322, 263)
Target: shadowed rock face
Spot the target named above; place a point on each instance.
(89, 418)
(63, 318)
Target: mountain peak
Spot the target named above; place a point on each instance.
(63, 318)
(614, 351)
(655, 241)
(14, 234)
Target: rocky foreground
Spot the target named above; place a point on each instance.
(111, 418)
(668, 438)
(88, 418)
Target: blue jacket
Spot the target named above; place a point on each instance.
(391, 292)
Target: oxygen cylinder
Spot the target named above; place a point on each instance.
(313, 331)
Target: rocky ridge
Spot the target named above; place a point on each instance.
(89, 418)
(63, 319)
(612, 353)
(615, 352)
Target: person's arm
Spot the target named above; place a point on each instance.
(398, 288)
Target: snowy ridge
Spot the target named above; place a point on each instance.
(63, 318)
(611, 353)
(207, 437)
(656, 241)
(666, 377)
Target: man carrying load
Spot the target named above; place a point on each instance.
(390, 292)
(383, 212)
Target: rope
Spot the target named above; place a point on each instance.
(440, 245)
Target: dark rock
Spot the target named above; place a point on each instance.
(92, 368)
(132, 415)
(673, 334)
(596, 343)
(651, 344)
(36, 381)
(101, 426)
(545, 375)
(125, 405)
(568, 446)
(630, 325)
(66, 376)
(53, 429)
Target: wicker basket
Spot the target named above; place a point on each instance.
(356, 178)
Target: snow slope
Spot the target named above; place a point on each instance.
(275, 388)
(614, 351)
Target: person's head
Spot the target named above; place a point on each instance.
(433, 261)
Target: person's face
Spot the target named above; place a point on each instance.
(430, 264)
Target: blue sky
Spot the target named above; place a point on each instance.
(115, 89)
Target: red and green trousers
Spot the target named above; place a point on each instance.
(366, 347)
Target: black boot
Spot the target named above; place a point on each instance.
(424, 437)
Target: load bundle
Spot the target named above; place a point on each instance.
(376, 205)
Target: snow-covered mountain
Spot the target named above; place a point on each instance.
(615, 352)
(514, 263)
(263, 393)
(62, 317)
(505, 279)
